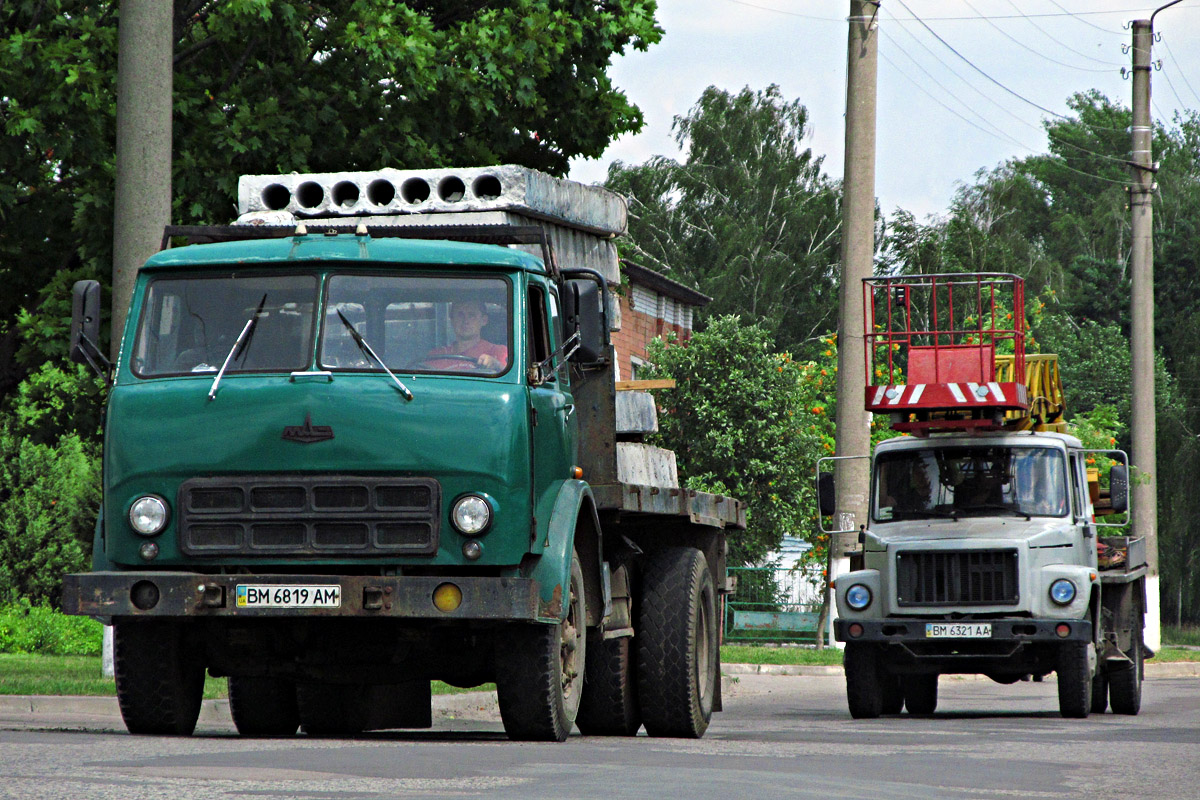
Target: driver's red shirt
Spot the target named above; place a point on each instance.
(480, 348)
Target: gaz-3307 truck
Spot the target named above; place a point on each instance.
(981, 551)
(370, 436)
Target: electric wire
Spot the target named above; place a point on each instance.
(1182, 74)
(1079, 15)
(1024, 46)
(985, 96)
(1058, 41)
(1171, 85)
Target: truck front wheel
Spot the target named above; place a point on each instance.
(539, 671)
(864, 680)
(1074, 680)
(677, 655)
(263, 706)
(160, 676)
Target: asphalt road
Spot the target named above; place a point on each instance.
(779, 737)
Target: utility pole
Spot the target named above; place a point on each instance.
(858, 252)
(142, 205)
(1141, 258)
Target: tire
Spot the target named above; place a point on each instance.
(609, 704)
(1074, 680)
(328, 709)
(1125, 685)
(920, 693)
(1100, 692)
(893, 693)
(263, 706)
(160, 677)
(540, 670)
(677, 651)
(864, 680)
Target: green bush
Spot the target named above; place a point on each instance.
(26, 628)
(49, 498)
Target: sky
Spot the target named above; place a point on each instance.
(946, 108)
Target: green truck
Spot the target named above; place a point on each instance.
(365, 439)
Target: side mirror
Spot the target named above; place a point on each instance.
(1118, 487)
(85, 322)
(583, 311)
(826, 496)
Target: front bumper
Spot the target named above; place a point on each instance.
(912, 631)
(195, 596)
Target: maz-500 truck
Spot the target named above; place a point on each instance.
(980, 554)
(368, 437)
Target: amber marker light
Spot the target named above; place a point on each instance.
(447, 597)
(577, 472)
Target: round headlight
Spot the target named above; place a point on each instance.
(1062, 591)
(858, 597)
(471, 515)
(148, 515)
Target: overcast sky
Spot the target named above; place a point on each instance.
(941, 116)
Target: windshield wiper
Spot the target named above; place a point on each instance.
(369, 353)
(239, 346)
(998, 507)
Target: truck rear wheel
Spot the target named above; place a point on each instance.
(893, 693)
(1100, 692)
(864, 680)
(677, 651)
(609, 703)
(539, 671)
(1074, 680)
(1125, 685)
(920, 693)
(160, 676)
(263, 706)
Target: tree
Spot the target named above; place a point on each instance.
(738, 424)
(748, 216)
(292, 86)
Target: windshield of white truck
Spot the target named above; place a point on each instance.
(189, 324)
(418, 323)
(970, 481)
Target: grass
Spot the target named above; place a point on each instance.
(758, 654)
(1181, 634)
(80, 675)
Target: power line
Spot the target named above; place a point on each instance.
(1024, 46)
(1182, 74)
(971, 64)
(1058, 41)
(1080, 14)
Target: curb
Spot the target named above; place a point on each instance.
(1170, 669)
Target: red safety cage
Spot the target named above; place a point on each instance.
(932, 343)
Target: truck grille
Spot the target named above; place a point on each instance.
(293, 516)
(957, 578)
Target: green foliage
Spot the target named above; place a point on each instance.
(26, 628)
(737, 424)
(49, 497)
(55, 400)
(748, 216)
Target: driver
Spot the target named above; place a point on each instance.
(468, 317)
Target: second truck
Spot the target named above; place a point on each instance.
(981, 553)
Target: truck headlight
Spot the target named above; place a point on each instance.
(471, 514)
(858, 597)
(148, 515)
(1062, 591)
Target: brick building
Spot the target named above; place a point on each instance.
(651, 305)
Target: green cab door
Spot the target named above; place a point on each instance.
(552, 420)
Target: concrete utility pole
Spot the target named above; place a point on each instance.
(1141, 258)
(142, 207)
(858, 252)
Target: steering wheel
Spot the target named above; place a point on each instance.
(450, 357)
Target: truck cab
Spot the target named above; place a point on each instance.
(980, 551)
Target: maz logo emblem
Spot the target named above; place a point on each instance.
(307, 433)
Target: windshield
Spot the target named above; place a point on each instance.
(418, 323)
(189, 324)
(964, 481)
